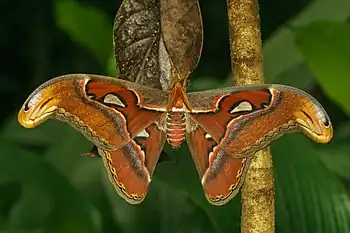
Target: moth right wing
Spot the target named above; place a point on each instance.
(221, 174)
(246, 119)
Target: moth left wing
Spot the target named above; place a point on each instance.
(131, 167)
(221, 174)
(246, 119)
(108, 111)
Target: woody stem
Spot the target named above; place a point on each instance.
(258, 210)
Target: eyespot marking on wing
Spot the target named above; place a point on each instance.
(113, 99)
(143, 134)
(244, 106)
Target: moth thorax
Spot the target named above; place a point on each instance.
(175, 128)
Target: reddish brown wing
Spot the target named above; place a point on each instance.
(219, 109)
(125, 102)
(108, 111)
(221, 175)
(130, 168)
(246, 119)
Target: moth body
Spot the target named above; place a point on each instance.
(175, 128)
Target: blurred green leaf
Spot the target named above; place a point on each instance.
(343, 132)
(39, 136)
(21, 218)
(337, 160)
(39, 179)
(298, 76)
(111, 67)
(309, 197)
(61, 148)
(87, 26)
(64, 153)
(280, 52)
(325, 46)
(336, 156)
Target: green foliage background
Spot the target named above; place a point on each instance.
(46, 187)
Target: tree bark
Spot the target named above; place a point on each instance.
(258, 209)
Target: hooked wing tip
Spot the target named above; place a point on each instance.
(36, 110)
(314, 122)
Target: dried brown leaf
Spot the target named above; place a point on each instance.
(157, 42)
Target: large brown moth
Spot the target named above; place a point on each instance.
(130, 123)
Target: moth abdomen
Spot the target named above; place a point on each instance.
(175, 128)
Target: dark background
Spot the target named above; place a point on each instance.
(46, 187)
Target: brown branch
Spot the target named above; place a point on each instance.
(258, 211)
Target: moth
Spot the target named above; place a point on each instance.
(129, 123)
